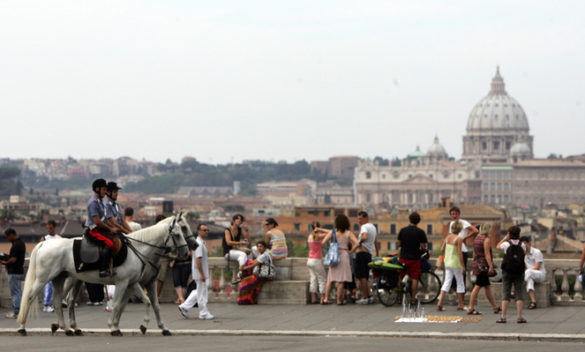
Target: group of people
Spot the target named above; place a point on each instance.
(521, 264)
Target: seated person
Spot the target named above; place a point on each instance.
(535, 271)
(250, 286)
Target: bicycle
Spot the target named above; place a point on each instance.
(385, 283)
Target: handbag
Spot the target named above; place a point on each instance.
(332, 256)
(264, 271)
(483, 267)
(441, 262)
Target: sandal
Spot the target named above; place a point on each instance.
(440, 308)
(521, 321)
(473, 312)
(497, 310)
(532, 305)
(501, 321)
(325, 303)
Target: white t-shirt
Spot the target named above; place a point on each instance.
(52, 237)
(369, 243)
(200, 252)
(463, 232)
(134, 226)
(504, 246)
(535, 256)
(264, 258)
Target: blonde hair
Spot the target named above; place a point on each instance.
(456, 227)
(485, 229)
(314, 225)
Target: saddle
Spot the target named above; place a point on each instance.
(86, 254)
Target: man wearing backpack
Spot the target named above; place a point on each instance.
(512, 271)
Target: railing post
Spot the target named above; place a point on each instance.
(565, 286)
(578, 289)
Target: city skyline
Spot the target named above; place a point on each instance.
(231, 82)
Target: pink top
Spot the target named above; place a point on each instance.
(315, 250)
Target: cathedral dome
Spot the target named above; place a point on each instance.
(436, 149)
(497, 111)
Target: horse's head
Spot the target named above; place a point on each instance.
(186, 230)
(176, 238)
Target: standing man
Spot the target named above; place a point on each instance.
(412, 241)
(48, 291)
(200, 272)
(366, 245)
(535, 271)
(15, 266)
(513, 268)
(99, 231)
(129, 217)
(114, 215)
(467, 232)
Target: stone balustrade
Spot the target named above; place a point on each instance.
(292, 277)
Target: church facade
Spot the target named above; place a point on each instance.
(497, 167)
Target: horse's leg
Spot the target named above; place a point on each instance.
(58, 288)
(75, 291)
(36, 289)
(151, 289)
(140, 294)
(120, 301)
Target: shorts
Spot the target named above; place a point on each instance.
(482, 280)
(181, 272)
(162, 272)
(509, 280)
(362, 271)
(412, 268)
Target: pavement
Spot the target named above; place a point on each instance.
(553, 324)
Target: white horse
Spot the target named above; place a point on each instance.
(53, 260)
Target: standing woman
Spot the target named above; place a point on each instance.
(482, 250)
(454, 265)
(341, 272)
(315, 264)
(275, 239)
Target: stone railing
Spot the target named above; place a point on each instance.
(292, 278)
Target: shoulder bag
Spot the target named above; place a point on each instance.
(332, 256)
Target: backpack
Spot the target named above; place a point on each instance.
(513, 262)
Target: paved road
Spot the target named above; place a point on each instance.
(287, 320)
(247, 343)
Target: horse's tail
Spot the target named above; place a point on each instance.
(31, 276)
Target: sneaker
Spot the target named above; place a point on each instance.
(184, 312)
(371, 300)
(44, 309)
(207, 316)
(10, 315)
(362, 301)
(48, 309)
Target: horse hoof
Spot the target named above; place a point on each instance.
(116, 333)
(21, 332)
(54, 327)
(78, 332)
(165, 332)
(69, 333)
(143, 329)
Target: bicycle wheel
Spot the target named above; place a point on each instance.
(429, 287)
(387, 296)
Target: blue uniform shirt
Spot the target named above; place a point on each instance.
(113, 210)
(95, 207)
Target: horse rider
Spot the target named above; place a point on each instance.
(114, 215)
(98, 229)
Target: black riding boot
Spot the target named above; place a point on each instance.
(105, 262)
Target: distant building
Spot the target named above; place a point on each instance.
(338, 166)
(497, 166)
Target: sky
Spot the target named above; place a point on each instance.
(226, 81)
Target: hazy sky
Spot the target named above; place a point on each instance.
(281, 80)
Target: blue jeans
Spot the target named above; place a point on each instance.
(48, 294)
(15, 283)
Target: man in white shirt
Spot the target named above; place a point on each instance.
(467, 232)
(365, 249)
(201, 276)
(129, 216)
(535, 271)
(48, 290)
